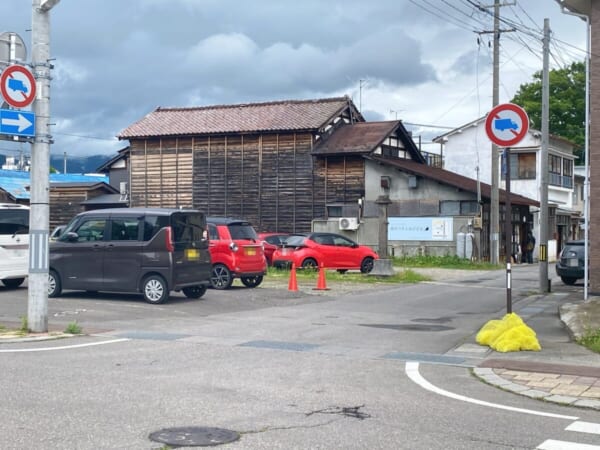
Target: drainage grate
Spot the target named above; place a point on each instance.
(194, 436)
(278, 345)
(153, 336)
(407, 327)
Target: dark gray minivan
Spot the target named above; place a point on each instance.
(148, 250)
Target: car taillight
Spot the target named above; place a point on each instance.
(169, 240)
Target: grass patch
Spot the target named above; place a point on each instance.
(444, 262)
(404, 276)
(591, 340)
(73, 328)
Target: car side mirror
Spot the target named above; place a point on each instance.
(71, 236)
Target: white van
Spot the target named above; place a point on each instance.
(14, 244)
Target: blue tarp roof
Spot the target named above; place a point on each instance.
(15, 182)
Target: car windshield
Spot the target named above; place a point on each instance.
(242, 231)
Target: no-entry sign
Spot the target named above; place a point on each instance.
(17, 86)
(506, 124)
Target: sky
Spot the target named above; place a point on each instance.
(426, 62)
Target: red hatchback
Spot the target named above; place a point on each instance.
(235, 252)
(332, 250)
(271, 242)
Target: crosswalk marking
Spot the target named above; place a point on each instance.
(584, 427)
(552, 444)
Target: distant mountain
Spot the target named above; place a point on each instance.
(79, 164)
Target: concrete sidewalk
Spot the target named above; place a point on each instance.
(563, 371)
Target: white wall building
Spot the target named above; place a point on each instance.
(467, 151)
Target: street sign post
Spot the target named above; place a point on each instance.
(506, 125)
(17, 86)
(17, 123)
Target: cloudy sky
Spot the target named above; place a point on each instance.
(427, 62)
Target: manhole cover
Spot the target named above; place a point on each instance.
(194, 436)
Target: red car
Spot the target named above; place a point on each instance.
(235, 252)
(271, 242)
(332, 250)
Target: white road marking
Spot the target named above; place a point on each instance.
(412, 370)
(584, 427)
(64, 347)
(552, 444)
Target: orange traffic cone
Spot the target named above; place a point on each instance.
(321, 283)
(293, 284)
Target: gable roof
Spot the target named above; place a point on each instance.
(122, 154)
(364, 138)
(286, 115)
(452, 179)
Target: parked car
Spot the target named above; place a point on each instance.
(148, 250)
(333, 251)
(570, 264)
(236, 252)
(57, 232)
(271, 242)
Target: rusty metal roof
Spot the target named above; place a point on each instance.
(364, 138)
(287, 115)
(452, 179)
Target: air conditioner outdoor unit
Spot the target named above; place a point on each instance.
(348, 223)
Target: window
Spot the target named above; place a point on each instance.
(469, 208)
(522, 166)
(91, 230)
(14, 221)
(450, 208)
(213, 234)
(153, 224)
(459, 208)
(124, 229)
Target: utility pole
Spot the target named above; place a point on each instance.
(37, 306)
(543, 214)
(494, 197)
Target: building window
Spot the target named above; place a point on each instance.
(458, 208)
(522, 166)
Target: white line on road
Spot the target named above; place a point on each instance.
(552, 444)
(412, 370)
(64, 347)
(584, 427)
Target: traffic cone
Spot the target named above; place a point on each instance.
(321, 283)
(293, 284)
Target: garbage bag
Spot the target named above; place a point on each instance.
(510, 334)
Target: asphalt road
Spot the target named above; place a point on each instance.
(289, 370)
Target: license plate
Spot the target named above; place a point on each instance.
(192, 254)
(251, 251)
(572, 262)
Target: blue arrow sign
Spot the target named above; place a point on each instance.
(18, 123)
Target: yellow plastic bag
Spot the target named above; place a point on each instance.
(510, 334)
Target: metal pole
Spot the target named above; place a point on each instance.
(543, 215)
(494, 200)
(508, 232)
(37, 307)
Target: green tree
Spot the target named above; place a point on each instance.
(567, 104)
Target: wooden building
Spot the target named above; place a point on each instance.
(253, 161)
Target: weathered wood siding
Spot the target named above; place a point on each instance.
(272, 180)
(161, 173)
(65, 203)
(341, 179)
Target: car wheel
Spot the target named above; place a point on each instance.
(569, 280)
(310, 263)
(366, 265)
(13, 283)
(155, 289)
(252, 282)
(221, 277)
(194, 291)
(54, 285)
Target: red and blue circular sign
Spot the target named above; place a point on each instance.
(17, 86)
(507, 124)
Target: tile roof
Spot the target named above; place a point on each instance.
(287, 115)
(364, 138)
(452, 179)
(361, 137)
